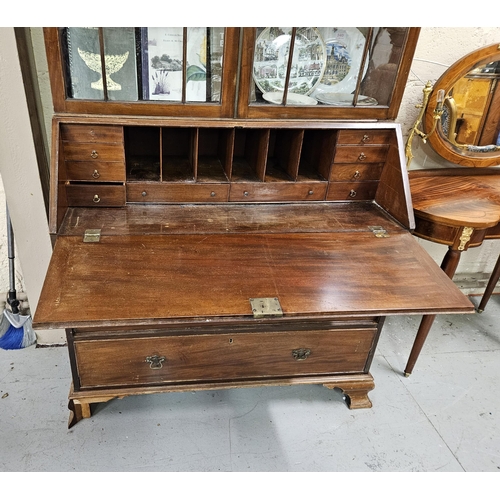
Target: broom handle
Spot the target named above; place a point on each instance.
(10, 249)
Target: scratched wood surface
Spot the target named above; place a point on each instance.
(225, 218)
(141, 279)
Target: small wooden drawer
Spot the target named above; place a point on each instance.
(355, 172)
(185, 358)
(85, 151)
(341, 191)
(97, 195)
(360, 137)
(278, 191)
(176, 192)
(360, 154)
(91, 133)
(95, 171)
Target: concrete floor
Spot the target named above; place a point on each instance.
(444, 417)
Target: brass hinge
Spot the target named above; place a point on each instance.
(378, 231)
(92, 236)
(267, 306)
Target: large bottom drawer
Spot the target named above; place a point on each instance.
(190, 358)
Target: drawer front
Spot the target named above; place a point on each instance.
(176, 193)
(341, 191)
(355, 172)
(91, 133)
(156, 360)
(94, 152)
(360, 137)
(278, 191)
(95, 171)
(360, 154)
(97, 195)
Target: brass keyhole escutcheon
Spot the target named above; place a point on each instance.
(94, 154)
(96, 198)
(352, 194)
(96, 174)
(301, 354)
(362, 157)
(366, 138)
(155, 361)
(356, 174)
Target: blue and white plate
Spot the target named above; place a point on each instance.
(344, 56)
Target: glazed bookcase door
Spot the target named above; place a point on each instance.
(144, 71)
(345, 73)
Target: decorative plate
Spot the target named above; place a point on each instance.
(271, 60)
(335, 99)
(291, 99)
(344, 56)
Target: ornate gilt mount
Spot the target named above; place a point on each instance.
(465, 237)
(415, 130)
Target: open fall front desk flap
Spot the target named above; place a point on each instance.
(140, 280)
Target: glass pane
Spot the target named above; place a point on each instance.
(204, 64)
(82, 55)
(143, 64)
(385, 57)
(345, 49)
(196, 65)
(272, 68)
(121, 67)
(325, 68)
(270, 64)
(214, 68)
(161, 58)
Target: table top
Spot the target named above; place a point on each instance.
(461, 197)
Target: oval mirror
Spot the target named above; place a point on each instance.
(468, 130)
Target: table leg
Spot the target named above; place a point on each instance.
(449, 266)
(490, 286)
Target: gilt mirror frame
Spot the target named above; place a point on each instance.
(438, 140)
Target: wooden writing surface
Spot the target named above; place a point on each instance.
(136, 280)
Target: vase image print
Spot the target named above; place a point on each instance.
(113, 64)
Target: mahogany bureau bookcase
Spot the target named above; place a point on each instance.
(240, 217)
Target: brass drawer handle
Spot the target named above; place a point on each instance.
(301, 354)
(96, 174)
(356, 174)
(94, 154)
(362, 157)
(96, 198)
(352, 194)
(155, 362)
(366, 138)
